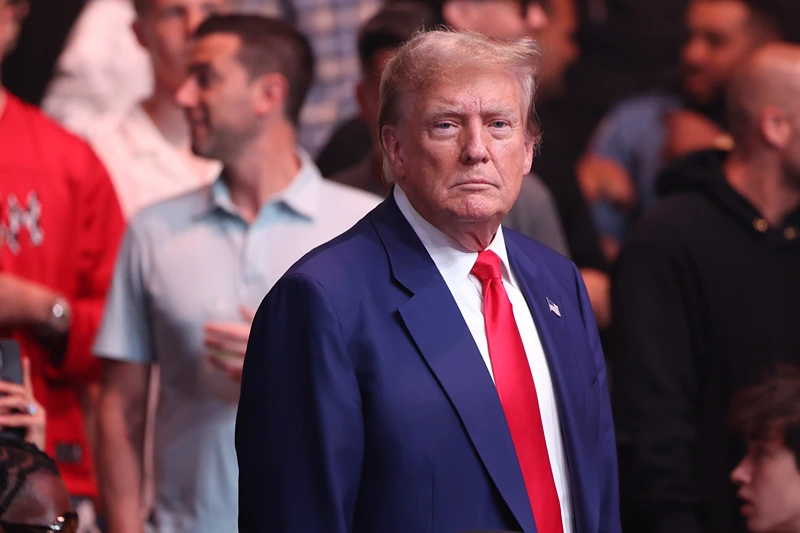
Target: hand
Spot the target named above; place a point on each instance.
(688, 132)
(228, 343)
(19, 409)
(24, 303)
(601, 178)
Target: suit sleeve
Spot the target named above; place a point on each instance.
(607, 442)
(299, 429)
(655, 390)
(101, 226)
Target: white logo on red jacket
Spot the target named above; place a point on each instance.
(14, 217)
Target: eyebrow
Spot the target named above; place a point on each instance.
(455, 111)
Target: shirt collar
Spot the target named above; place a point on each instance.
(453, 261)
(302, 196)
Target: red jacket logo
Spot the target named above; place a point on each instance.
(14, 217)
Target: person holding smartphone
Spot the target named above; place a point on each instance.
(20, 411)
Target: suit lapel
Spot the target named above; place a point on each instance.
(568, 372)
(437, 328)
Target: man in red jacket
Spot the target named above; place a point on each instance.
(60, 224)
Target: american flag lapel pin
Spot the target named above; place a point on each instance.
(553, 307)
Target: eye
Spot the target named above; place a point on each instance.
(443, 126)
(499, 124)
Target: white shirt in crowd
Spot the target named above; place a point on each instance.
(144, 167)
(102, 72)
(455, 264)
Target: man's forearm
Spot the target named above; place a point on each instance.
(119, 467)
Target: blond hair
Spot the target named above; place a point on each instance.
(435, 56)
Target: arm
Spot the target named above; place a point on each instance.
(100, 228)
(655, 389)
(607, 443)
(125, 341)
(122, 414)
(299, 429)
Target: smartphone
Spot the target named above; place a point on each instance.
(11, 370)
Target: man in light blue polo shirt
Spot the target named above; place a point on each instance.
(192, 269)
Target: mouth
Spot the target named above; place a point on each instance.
(475, 183)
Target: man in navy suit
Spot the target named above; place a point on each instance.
(429, 371)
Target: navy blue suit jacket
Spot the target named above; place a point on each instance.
(366, 405)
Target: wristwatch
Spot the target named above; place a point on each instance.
(60, 315)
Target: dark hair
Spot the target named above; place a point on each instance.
(18, 461)
(778, 17)
(269, 45)
(770, 410)
(393, 24)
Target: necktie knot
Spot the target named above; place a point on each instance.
(487, 266)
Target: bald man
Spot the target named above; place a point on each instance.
(706, 296)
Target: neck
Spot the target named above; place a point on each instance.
(761, 180)
(473, 238)
(169, 118)
(262, 169)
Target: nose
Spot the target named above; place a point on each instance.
(693, 52)
(474, 149)
(186, 95)
(536, 17)
(741, 474)
(194, 17)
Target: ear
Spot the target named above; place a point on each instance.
(530, 149)
(457, 13)
(395, 154)
(775, 127)
(138, 31)
(270, 93)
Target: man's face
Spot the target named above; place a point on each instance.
(720, 39)
(769, 486)
(165, 30)
(369, 90)
(11, 15)
(501, 19)
(560, 48)
(219, 98)
(463, 151)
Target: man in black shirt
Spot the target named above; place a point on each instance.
(705, 297)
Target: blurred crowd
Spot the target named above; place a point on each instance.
(163, 162)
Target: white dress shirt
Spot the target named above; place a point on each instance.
(144, 167)
(102, 72)
(455, 264)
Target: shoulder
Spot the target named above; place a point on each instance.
(645, 105)
(172, 215)
(344, 203)
(674, 223)
(537, 253)
(47, 134)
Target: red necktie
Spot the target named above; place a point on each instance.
(512, 376)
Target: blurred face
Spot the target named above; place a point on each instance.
(719, 40)
(461, 154)
(221, 102)
(769, 486)
(561, 50)
(10, 20)
(501, 19)
(165, 30)
(369, 91)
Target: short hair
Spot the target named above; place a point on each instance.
(269, 45)
(434, 55)
(770, 410)
(393, 24)
(18, 461)
(778, 18)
